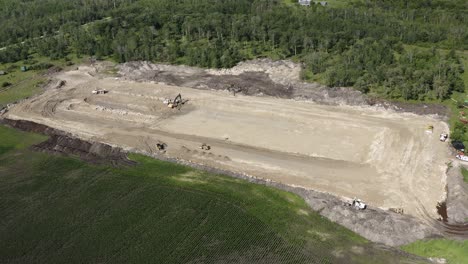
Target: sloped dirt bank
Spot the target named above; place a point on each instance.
(65, 144)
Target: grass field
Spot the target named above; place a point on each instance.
(456, 252)
(25, 84)
(61, 210)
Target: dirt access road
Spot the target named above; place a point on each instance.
(382, 157)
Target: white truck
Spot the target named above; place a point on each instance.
(462, 157)
(357, 204)
(100, 91)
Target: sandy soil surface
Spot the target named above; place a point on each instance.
(457, 198)
(385, 158)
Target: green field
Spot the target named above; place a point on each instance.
(25, 84)
(62, 210)
(456, 252)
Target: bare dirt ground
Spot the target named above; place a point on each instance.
(382, 157)
(457, 199)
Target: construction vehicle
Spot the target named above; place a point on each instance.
(356, 204)
(443, 137)
(397, 210)
(462, 157)
(205, 147)
(429, 129)
(161, 146)
(99, 91)
(177, 102)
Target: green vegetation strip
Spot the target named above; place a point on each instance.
(56, 209)
(456, 252)
(465, 174)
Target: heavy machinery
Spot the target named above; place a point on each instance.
(100, 91)
(443, 137)
(177, 102)
(397, 210)
(161, 146)
(462, 157)
(356, 204)
(205, 147)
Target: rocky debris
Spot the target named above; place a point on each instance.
(55, 84)
(457, 197)
(53, 70)
(93, 152)
(33, 127)
(329, 96)
(265, 77)
(415, 108)
(261, 77)
(375, 224)
(282, 72)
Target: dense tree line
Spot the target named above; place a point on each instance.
(364, 45)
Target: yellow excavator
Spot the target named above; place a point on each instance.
(177, 102)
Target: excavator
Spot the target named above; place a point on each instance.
(177, 102)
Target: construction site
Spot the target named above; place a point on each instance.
(385, 159)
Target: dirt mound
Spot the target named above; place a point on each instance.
(33, 127)
(260, 77)
(457, 198)
(63, 143)
(95, 152)
(419, 108)
(257, 77)
(282, 72)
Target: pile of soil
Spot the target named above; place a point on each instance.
(415, 108)
(265, 77)
(457, 196)
(262, 77)
(65, 144)
(29, 126)
(96, 153)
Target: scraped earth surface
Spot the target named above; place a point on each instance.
(385, 158)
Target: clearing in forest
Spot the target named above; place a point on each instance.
(387, 159)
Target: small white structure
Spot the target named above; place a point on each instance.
(100, 91)
(304, 2)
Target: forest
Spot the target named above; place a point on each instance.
(397, 49)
